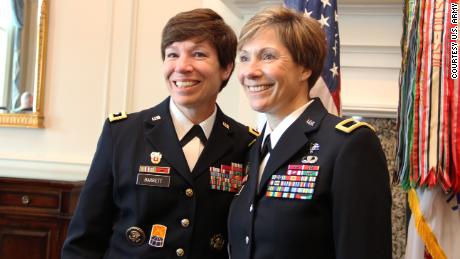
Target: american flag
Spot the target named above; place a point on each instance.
(328, 85)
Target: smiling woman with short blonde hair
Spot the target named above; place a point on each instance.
(318, 185)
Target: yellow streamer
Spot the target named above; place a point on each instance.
(423, 229)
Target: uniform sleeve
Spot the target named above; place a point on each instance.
(91, 226)
(361, 199)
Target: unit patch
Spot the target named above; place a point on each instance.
(157, 235)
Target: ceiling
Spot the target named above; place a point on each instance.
(244, 7)
(354, 2)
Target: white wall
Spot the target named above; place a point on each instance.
(104, 56)
(370, 58)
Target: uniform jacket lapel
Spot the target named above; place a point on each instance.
(293, 139)
(218, 144)
(160, 132)
(254, 164)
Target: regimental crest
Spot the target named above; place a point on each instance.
(155, 157)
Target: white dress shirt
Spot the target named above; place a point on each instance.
(182, 124)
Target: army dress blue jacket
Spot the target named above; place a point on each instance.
(139, 179)
(324, 193)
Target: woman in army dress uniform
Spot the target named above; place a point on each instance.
(162, 179)
(318, 185)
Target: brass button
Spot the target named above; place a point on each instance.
(180, 252)
(185, 223)
(189, 192)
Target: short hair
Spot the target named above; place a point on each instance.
(202, 24)
(302, 36)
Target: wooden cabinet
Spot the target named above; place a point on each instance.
(34, 216)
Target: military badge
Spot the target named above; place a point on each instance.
(349, 125)
(155, 157)
(135, 235)
(253, 132)
(217, 242)
(157, 235)
(117, 116)
(309, 159)
(313, 147)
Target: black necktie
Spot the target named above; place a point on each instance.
(266, 147)
(195, 131)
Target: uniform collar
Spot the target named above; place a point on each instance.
(182, 124)
(276, 133)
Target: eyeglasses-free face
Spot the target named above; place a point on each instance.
(273, 82)
(193, 74)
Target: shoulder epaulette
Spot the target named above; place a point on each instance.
(117, 116)
(349, 125)
(253, 133)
